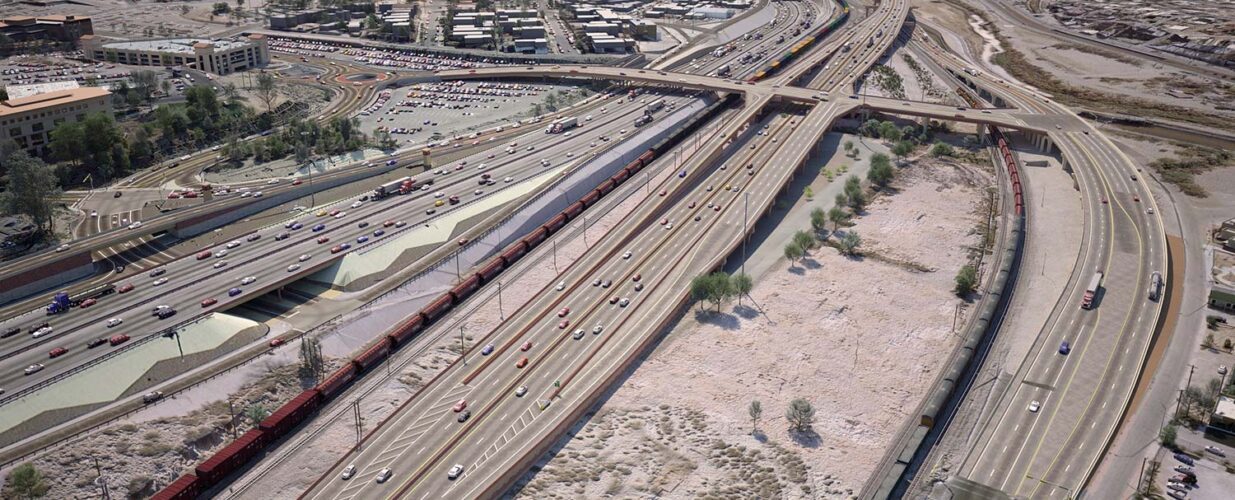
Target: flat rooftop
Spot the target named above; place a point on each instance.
(174, 45)
(50, 99)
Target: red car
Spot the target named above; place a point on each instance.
(277, 342)
(336, 249)
(57, 352)
(297, 182)
(190, 194)
(127, 287)
(460, 405)
(388, 223)
(462, 241)
(173, 195)
(118, 339)
(88, 302)
(205, 254)
(563, 312)
(209, 302)
(323, 239)
(522, 363)
(613, 300)
(526, 345)
(563, 324)
(662, 193)
(334, 212)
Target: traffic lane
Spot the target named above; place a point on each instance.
(519, 161)
(1070, 403)
(671, 270)
(1042, 378)
(201, 272)
(582, 282)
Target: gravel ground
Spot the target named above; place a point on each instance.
(859, 338)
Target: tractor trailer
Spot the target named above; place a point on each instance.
(1087, 302)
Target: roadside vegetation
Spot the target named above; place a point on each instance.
(1190, 161)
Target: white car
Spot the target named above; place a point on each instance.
(220, 254)
(220, 264)
(135, 225)
(561, 285)
(94, 213)
(160, 281)
(384, 474)
(627, 255)
(521, 391)
(114, 321)
(305, 257)
(35, 368)
(455, 471)
(349, 472)
(62, 248)
(598, 329)
(624, 302)
(340, 215)
(272, 181)
(1034, 407)
(233, 244)
(357, 204)
(293, 268)
(257, 194)
(248, 280)
(508, 179)
(439, 194)
(41, 332)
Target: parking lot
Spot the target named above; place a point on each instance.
(415, 114)
(405, 59)
(67, 67)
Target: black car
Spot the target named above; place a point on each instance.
(39, 326)
(157, 272)
(117, 195)
(10, 332)
(96, 342)
(464, 415)
(119, 269)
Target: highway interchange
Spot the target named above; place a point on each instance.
(1079, 397)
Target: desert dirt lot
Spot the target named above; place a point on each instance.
(859, 338)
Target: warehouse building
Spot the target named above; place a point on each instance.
(219, 57)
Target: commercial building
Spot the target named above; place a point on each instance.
(26, 31)
(1222, 298)
(28, 121)
(219, 57)
(1221, 426)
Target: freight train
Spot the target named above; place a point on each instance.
(801, 47)
(279, 424)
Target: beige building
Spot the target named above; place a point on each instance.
(219, 57)
(28, 121)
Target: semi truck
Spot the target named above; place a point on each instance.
(1092, 291)
(399, 186)
(1155, 286)
(562, 125)
(643, 120)
(654, 106)
(724, 71)
(61, 301)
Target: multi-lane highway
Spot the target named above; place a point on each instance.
(1054, 420)
(190, 280)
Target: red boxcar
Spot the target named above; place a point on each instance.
(590, 198)
(231, 457)
(291, 414)
(187, 487)
(436, 308)
(573, 210)
(337, 381)
(512, 254)
(622, 175)
(555, 223)
(606, 187)
(491, 270)
(536, 237)
(408, 330)
(373, 355)
(464, 290)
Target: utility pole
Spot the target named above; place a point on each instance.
(356, 418)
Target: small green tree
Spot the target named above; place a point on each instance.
(902, 149)
(837, 215)
(1226, 344)
(27, 482)
(966, 280)
(818, 219)
(881, 171)
(256, 414)
(793, 252)
(854, 193)
(1168, 435)
(808, 192)
(889, 131)
(700, 289)
(800, 414)
(720, 288)
(1208, 343)
(849, 243)
(804, 239)
(742, 284)
(941, 149)
(755, 410)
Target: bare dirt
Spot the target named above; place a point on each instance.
(860, 338)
